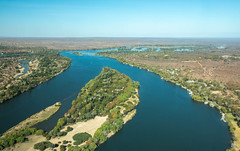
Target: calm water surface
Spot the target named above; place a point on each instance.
(167, 119)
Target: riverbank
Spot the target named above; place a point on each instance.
(41, 68)
(35, 119)
(235, 131)
(195, 90)
(89, 126)
(100, 119)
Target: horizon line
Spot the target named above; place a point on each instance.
(125, 37)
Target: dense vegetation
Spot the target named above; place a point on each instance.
(80, 138)
(17, 137)
(43, 145)
(44, 66)
(107, 94)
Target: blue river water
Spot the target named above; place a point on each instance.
(167, 119)
(24, 64)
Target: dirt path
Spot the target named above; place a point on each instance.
(205, 70)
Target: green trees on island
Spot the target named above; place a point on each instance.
(43, 145)
(80, 138)
(106, 94)
(98, 97)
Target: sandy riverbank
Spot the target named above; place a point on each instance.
(89, 126)
(36, 118)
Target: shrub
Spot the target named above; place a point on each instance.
(80, 138)
(48, 137)
(65, 142)
(39, 132)
(20, 139)
(19, 136)
(70, 120)
(77, 143)
(61, 133)
(69, 128)
(62, 148)
(43, 145)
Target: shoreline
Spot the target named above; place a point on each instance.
(35, 118)
(89, 126)
(119, 110)
(42, 80)
(232, 125)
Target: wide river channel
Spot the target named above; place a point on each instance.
(167, 119)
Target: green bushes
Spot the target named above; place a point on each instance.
(69, 128)
(80, 138)
(101, 134)
(91, 146)
(43, 145)
(62, 148)
(70, 120)
(56, 130)
(101, 94)
(39, 132)
(65, 142)
(17, 137)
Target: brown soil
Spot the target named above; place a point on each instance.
(99, 43)
(225, 72)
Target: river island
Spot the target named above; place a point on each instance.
(100, 110)
(210, 92)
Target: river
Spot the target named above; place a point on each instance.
(166, 119)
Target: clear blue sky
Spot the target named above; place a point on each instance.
(119, 18)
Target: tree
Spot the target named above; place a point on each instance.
(20, 139)
(69, 128)
(80, 138)
(39, 132)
